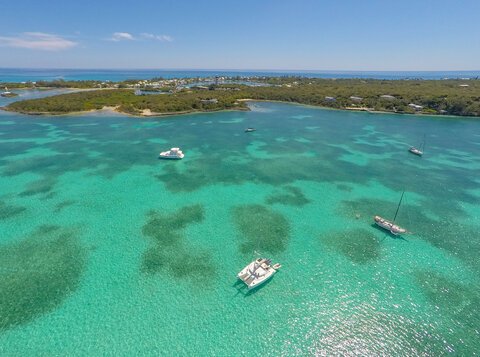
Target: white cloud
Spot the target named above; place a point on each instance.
(162, 38)
(144, 36)
(37, 41)
(150, 36)
(119, 36)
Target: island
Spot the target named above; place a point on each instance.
(159, 96)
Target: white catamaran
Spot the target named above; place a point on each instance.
(390, 225)
(258, 272)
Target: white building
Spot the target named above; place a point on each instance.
(214, 100)
(388, 97)
(415, 106)
(356, 99)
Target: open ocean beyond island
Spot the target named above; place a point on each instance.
(106, 250)
(32, 74)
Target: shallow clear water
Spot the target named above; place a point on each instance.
(106, 250)
(25, 94)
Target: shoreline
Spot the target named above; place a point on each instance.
(146, 113)
(360, 110)
(423, 98)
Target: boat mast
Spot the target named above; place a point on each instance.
(423, 144)
(398, 207)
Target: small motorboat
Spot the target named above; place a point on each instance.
(172, 154)
(249, 130)
(258, 272)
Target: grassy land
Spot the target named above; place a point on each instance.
(447, 97)
(125, 100)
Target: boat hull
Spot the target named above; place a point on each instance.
(256, 273)
(170, 157)
(389, 226)
(415, 151)
(259, 282)
(172, 154)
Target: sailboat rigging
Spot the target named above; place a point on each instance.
(390, 225)
(398, 207)
(416, 151)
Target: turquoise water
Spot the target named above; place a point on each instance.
(24, 94)
(105, 250)
(39, 74)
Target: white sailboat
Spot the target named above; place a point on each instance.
(418, 151)
(390, 225)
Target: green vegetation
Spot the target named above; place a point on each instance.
(359, 245)
(38, 274)
(170, 251)
(451, 97)
(261, 228)
(292, 196)
(125, 100)
(7, 211)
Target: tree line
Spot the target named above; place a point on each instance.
(449, 97)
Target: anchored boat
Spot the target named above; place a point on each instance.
(7, 93)
(418, 151)
(258, 272)
(172, 154)
(249, 130)
(390, 225)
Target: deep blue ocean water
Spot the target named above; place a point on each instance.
(32, 74)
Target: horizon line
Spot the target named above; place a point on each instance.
(239, 69)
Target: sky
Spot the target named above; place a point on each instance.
(368, 35)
